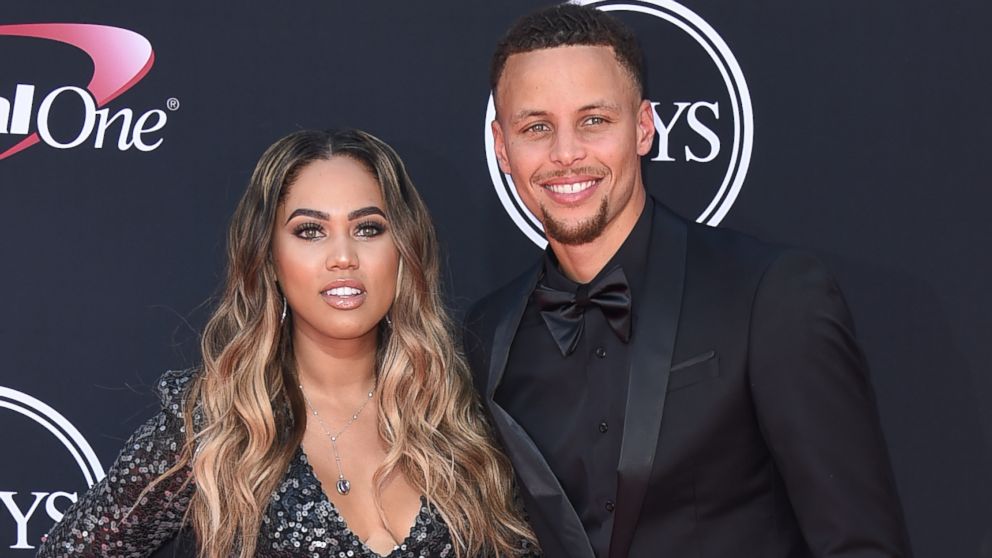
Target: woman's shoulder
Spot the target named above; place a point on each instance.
(172, 387)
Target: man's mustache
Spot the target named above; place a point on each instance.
(596, 172)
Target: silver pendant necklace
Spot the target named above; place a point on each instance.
(343, 486)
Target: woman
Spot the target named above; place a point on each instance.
(332, 415)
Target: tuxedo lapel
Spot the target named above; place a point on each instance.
(552, 515)
(511, 308)
(652, 346)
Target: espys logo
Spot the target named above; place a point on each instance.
(32, 506)
(702, 115)
(121, 58)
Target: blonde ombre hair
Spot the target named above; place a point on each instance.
(245, 415)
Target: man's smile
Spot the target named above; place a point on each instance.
(571, 187)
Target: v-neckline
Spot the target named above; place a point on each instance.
(345, 529)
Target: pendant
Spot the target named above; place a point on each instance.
(343, 486)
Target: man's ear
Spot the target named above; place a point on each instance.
(499, 143)
(645, 127)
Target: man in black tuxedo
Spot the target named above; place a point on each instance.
(662, 388)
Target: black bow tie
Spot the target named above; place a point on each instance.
(562, 311)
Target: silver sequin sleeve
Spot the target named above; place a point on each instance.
(109, 521)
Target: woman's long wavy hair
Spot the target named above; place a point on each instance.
(245, 415)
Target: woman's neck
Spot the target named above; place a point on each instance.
(335, 367)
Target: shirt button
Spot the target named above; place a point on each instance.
(610, 506)
(603, 427)
(600, 352)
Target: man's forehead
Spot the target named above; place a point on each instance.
(574, 54)
(587, 75)
(599, 105)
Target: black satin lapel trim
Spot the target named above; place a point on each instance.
(650, 362)
(516, 302)
(536, 477)
(539, 482)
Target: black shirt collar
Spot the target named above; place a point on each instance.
(631, 257)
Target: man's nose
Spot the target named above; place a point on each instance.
(568, 148)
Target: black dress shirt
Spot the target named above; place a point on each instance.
(573, 406)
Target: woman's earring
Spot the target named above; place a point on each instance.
(284, 306)
(389, 323)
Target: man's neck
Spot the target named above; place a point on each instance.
(582, 262)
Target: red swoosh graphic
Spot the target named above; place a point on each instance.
(120, 59)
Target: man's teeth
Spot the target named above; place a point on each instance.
(572, 188)
(343, 291)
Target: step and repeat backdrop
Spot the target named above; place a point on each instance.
(859, 130)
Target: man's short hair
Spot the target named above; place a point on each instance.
(570, 25)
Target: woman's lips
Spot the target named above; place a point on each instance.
(344, 294)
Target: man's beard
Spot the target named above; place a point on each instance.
(580, 233)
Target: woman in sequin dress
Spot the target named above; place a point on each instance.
(332, 414)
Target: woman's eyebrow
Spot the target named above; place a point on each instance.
(309, 213)
(365, 212)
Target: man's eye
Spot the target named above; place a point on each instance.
(369, 229)
(309, 231)
(595, 120)
(538, 128)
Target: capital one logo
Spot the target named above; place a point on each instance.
(27, 511)
(703, 119)
(121, 58)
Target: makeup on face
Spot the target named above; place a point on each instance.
(334, 254)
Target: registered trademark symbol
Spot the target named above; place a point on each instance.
(172, 104)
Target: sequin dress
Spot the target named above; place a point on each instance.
(299, 521)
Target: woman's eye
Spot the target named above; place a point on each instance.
(369, 229)
(309, 231)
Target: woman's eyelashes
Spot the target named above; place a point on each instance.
(369, 229)
(310, 230)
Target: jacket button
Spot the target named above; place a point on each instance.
(600, 352)
(604, 427)
(610, 506)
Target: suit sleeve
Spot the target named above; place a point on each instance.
(817, 412)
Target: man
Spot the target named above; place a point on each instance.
(663, 388)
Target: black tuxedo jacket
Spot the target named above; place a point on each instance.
(751, 428)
